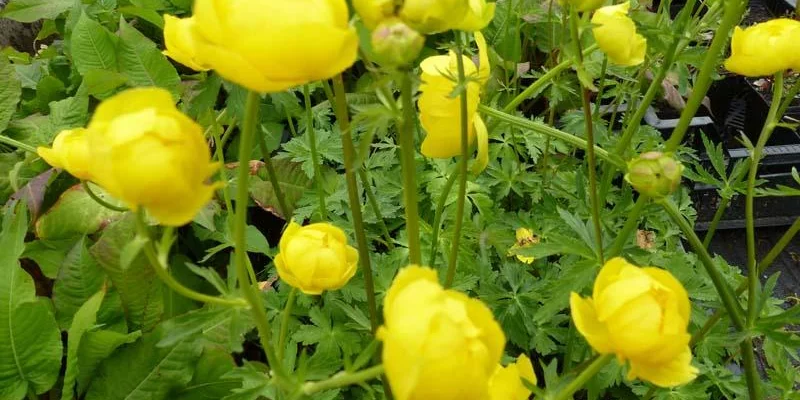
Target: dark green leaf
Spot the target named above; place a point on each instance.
(143, 62)
(93, 46)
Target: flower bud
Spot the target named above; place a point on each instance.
(373, 12)
(70, 152)
(395, 43)
(315, 258)
(654, 174)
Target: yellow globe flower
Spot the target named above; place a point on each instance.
(435, 16)
(616, 35)
(70, 152)
(641, 315)
(765, 48)
(267, 45)
(147, 154)
(507, 382)
(437, 344)
(440, 114)
(179, 39)
(373, 12)
(525, 238)
(315, 258)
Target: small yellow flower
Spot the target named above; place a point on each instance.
(583, 5)
(616, 35)
(436, 16)
(525, 238)
(315, 258)
(765, 48)
(440, 114)
(437, 344)
(267, 45)
(148, 154)
(641, 315)
(70, 152)
(507, 383)
(180, 42)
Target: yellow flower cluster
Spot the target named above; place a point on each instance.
(765, 48)
(143, 151)
(641, 315)
(265, 45)
(427, 16)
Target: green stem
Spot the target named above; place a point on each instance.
(437, 218)
(312, 145)
(373, 203)
(223, 175)
(163, 274)
(462, 168)
(243, 268)
(766, 132)
(600, 86)
(287, 315)
(712, 228)
(631, 223)
(725, 292)
(580, 381)
(544, 80)
(589, 128)
(16, 143)
(544, 129)
(343, 379)
(273, 177)
(340, 108)
(409, 170)
(100, 201)
(750, 369)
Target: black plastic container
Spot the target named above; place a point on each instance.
(781, 8)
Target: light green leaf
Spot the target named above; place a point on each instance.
(34, 10)
(95, 347)
(101, 83)
(148, 14)
(79, 278)
(85, 319)
(143, 62)
(49, 254)
(93, 46)
(138, 286)
(10, 91)
(75, 213)
(144, 371)
(30, 342)
(72, 112)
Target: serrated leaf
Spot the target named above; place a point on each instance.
(191, 324)
(84, 320)
(75, 214)
(144, 371)
(10, 92)
(101, 83)
(143, 62)
(79, 278)
(33, 10)
(49, 254)
(292, 180)
(92, 46)
(211, 276)
(72, 112)
(95, 347)
(209, 381)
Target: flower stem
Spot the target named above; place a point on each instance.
(100, 201)
(750, 369)
(243, 268)
(273, 177)
(578, 383)
(16, 143)
(342, 379)
(164, 275)
(630, 225)
(340, 108)
(545, 129)
(409, 170)
(437, 218)
(462, 166)
(312, 145)
(287, 315)
(373, 203)
(766, 132)
(712, 228)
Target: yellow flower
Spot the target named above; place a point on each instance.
(616, 35)
(373, 12)
(437, 344)
(765, 48)
(440, 114)
(583, 5)
(180, 42)
(147, 154)
(507, 383)
(641, 315)
(315, 258)
(525, 238)
(270, 46)
(70, 152)
(433, 16)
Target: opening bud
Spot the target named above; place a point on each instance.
(654, 174)
(395, 43)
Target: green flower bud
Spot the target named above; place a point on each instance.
(654, 174)
(395, 43)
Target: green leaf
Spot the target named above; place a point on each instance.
(143, 62)
(79, 278)
(76, 213)
(30, 342)
(72, 112)
(101, 83)
(95, 347)
(10, 92)
(138, 286)
(222, 327)
(49, 255)
(208, 382)
(292, 180)
(145, 371)
(93, 46)
(34, 10)
(85, 319)
(148, 14)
